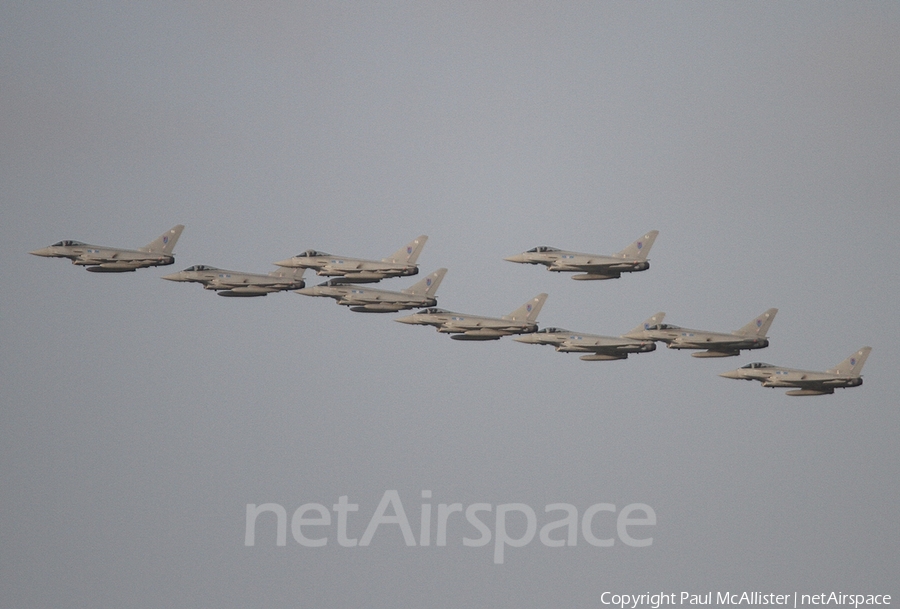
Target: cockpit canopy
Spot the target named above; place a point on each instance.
(758, 365)
(542, 248)
(68, 243)
(665, 327)
(553, 331)
(201, 267)
(311, 254)
(432, 311)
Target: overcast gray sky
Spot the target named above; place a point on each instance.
(140, 417)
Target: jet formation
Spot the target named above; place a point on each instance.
(107, 259)
(348, 273)
(807, 382)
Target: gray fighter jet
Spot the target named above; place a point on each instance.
(598, 348)
(104, 259)
(845, 374)
(369, 300)
(473, 327)
(236, 283)
(356, 270)
(591, 266)
(716, 344)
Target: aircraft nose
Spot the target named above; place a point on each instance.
(526, 338)
(306, 291)
(409, 319)
(44, 251)
(173, 277)
(288, 262)
(731, 374)
(516, 258)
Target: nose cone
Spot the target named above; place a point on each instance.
(313, 291)
(409, 319)
(731, 374)
(46, 252)
(179, 276)
(289, 263)
(525, 338)
(516, 258)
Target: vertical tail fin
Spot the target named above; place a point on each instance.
(852, 366)
(165, 243)
(759, 326)
(409, 253)
(640, 248)
(295, 274)
(652, 321)
(528, 312)
(427, 286)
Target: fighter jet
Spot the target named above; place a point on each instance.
(370, 300)
(717, 344)
(236, 283)
(591, 266)
(598, 348)
(356, 270)
(845, 374)
(473, 327)
(104, 259)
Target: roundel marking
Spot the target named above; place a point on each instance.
(428, 282)
(409, 250)
(758, 323)
(640, 245)
(852, 361)
(166, 239)
(528, 307)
